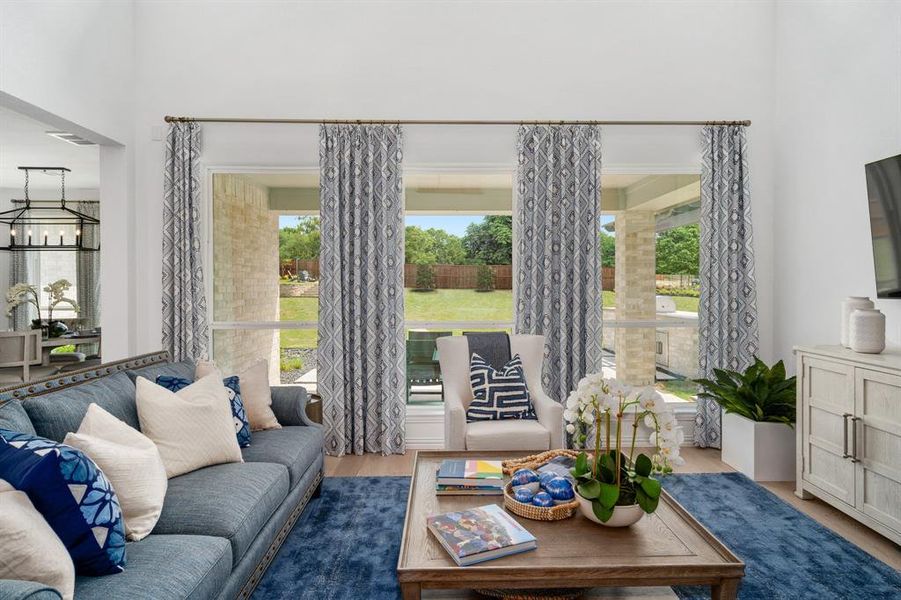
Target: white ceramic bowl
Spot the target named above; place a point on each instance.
(623, 516)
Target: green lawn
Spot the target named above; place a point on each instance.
(440, 305)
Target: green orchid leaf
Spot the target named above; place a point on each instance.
(590, 489)
(603, 513)
(643, 465)
(651, 487)
(608, 494)
(581, 465)
(646, 503)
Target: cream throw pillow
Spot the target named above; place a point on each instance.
(192, 428)
(131, 462)
(255, 393)
(31, 550)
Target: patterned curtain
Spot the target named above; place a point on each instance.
(87, 270)
(727, 317)
(557, 291)
(22, 269)
(361, 289)
(185, 327)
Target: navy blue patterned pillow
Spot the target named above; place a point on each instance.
(498, 394)
(233, 387)
(72, 494)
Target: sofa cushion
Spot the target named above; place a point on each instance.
(57, 413)
(183, 369)
(13, 589)
(510, 434)
(14, 418)
(165, 566)
(295, 447)
(232, 501)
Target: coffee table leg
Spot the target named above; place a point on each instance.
(727, 589)
(411, 591)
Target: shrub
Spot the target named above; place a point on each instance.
(289, 363)
(760, 393)
(425, 278)
(485, 279)
(689, 292)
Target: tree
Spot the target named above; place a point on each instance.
(491, 241)
(678, 250)
(300, 241)
(447, 247)
(608, 249)
(419, 246)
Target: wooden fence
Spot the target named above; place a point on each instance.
(463, 277)
(449, 277)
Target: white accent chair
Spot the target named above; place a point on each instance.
(511, 434)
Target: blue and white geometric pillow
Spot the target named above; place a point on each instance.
(233, 387)
(498, 394)
(72, 494)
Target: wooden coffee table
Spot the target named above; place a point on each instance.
(664, 549)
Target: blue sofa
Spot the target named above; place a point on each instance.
(221, 526)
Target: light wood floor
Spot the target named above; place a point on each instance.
(697, 460)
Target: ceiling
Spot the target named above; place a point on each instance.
(24, 142)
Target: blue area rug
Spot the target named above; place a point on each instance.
(345, 545)
(787, 554)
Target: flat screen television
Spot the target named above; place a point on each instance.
(884, 192)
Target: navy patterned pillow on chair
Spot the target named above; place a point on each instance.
(498, 393)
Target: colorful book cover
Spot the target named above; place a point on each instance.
(468, 490)
(480, 534)
(470, 469)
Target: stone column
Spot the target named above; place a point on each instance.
(635, 296)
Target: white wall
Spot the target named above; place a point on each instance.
(614, 60)
(71, 65)
(838, 107)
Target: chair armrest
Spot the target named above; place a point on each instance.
(550, 415)
(14, 589)
(289, 403)
(454, 422)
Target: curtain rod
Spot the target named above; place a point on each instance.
(171, 119)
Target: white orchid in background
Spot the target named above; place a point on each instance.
(19, 294)
(57, 294)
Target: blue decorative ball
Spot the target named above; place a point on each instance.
(545, 477)
(561, 490)
(523, 495)
(542, 499)
(525, 478)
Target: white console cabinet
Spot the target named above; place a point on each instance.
(849, 433)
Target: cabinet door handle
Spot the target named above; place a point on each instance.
(854, 421)
(845, 418)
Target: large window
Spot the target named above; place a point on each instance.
(458, 272)
(264, 254)
(650, 250)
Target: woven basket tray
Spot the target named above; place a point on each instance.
(557, 512)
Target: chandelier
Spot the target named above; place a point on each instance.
(48, 225)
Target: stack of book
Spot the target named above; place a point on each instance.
(480, 534)
(470, 478)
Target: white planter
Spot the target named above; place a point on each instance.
(623, 516)
(762, 451)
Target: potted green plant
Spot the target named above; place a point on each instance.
(615, 488)
(759, 404)
(425, 278)
(484, 279)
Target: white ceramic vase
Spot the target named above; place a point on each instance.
(623, 516)
(867, 331)
(849, 305)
